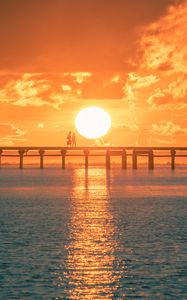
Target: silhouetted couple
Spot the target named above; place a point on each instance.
(71, 139)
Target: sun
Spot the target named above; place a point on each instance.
(93, 122)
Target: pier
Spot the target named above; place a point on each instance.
(126, 154)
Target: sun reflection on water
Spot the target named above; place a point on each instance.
(91, 257)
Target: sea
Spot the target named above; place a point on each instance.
(93, 234)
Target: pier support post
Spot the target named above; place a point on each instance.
(134, 160)
(173, 152)
(1, 152)
(108, 160)
(63, 153)
(124, 159)
(86, 153)
(151, 160)
(21, 155)
(41, 152)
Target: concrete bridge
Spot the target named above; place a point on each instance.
(124, 152)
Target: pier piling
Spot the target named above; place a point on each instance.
(134, 160)
(21, 155)
(108, 160)
(63, 153)
(173, 153)
(86, 153)
(1, 152)
(41, 153)
(151, 160)
(124, 159)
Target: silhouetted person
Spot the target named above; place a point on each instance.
(73, 140)
(69, 139)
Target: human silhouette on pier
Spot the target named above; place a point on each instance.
(73, 140)
(69, 139)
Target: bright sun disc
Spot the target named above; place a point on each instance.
(93, 122)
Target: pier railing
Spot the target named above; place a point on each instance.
(124, 152)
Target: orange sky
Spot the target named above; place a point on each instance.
(129, 57)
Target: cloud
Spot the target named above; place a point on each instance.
(168, 129)
(163, 47)
(164, 43)
(178, 88)
(167, 133)
(160, 79)
(101, 142)
(129, 127)
(79, 77)
(160, 100)
(115, 79)
(66, 88)
(55, 89)
(38, 89)
(140, 81)
(134, 84)
(173, 96)
(102, 85)
(40, 125)
(11, 134)
(161, 141)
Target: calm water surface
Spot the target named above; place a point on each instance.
(72, 234)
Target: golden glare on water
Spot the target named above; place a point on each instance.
(93, 122)
(91, 252)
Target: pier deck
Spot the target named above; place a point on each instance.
(86, 152)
